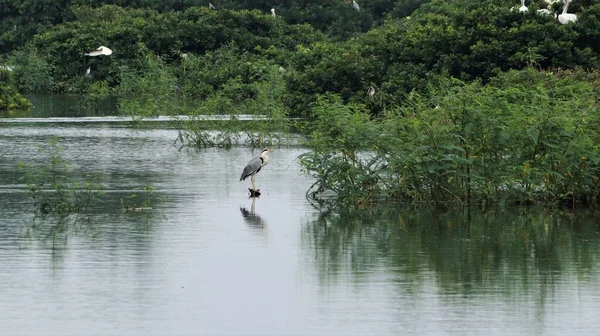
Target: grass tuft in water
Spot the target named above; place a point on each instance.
(53, 186)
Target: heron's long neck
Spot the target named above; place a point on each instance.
(265, 158)
(523, 3)
(566, 7)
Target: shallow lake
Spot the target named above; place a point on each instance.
(207, 260)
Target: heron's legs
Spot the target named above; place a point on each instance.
(253, 182)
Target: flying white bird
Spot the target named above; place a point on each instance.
(355, 5)
(565, 17)
(102, 50)
(273, 12)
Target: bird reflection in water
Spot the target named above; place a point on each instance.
(252, 219)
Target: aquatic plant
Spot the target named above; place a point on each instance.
(217, 121)
(140, 203)
(54, 188)
(527, 137)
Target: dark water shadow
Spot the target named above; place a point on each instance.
(252, 219)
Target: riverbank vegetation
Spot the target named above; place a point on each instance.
(10, 98)
(472, 101)
(168, 52)
(527, 136)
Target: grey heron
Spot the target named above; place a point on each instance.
(253, 167)
(102, 50)
(273, 12)
(355, 5)
(565, 17)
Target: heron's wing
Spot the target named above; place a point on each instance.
(252, 166)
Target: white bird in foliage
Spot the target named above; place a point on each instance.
(253, 167)
(544, 11)
(355, 5)
(565, 17)
(273, 12)
(102, 50)
(87, 72)
(211, 6)
(523, 8)
(371, 92)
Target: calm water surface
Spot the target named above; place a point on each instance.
(208, 260)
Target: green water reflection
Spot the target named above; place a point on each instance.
(465, 252)
(45, 106)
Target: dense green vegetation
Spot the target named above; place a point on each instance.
(527, 136)
(474, 101)
(10, 99)
(465, 39)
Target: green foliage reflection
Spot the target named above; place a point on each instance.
(462, 251)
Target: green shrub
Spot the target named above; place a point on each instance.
(528, 136)
(10, 99)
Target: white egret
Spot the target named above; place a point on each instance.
(253, 167)
(565, 17)
(544, 11)
(523, 8)
(273, 12)
(102, 50)
(355, 5)
(7, 67)
(211, 6)
(87, 72)
(371, 92)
